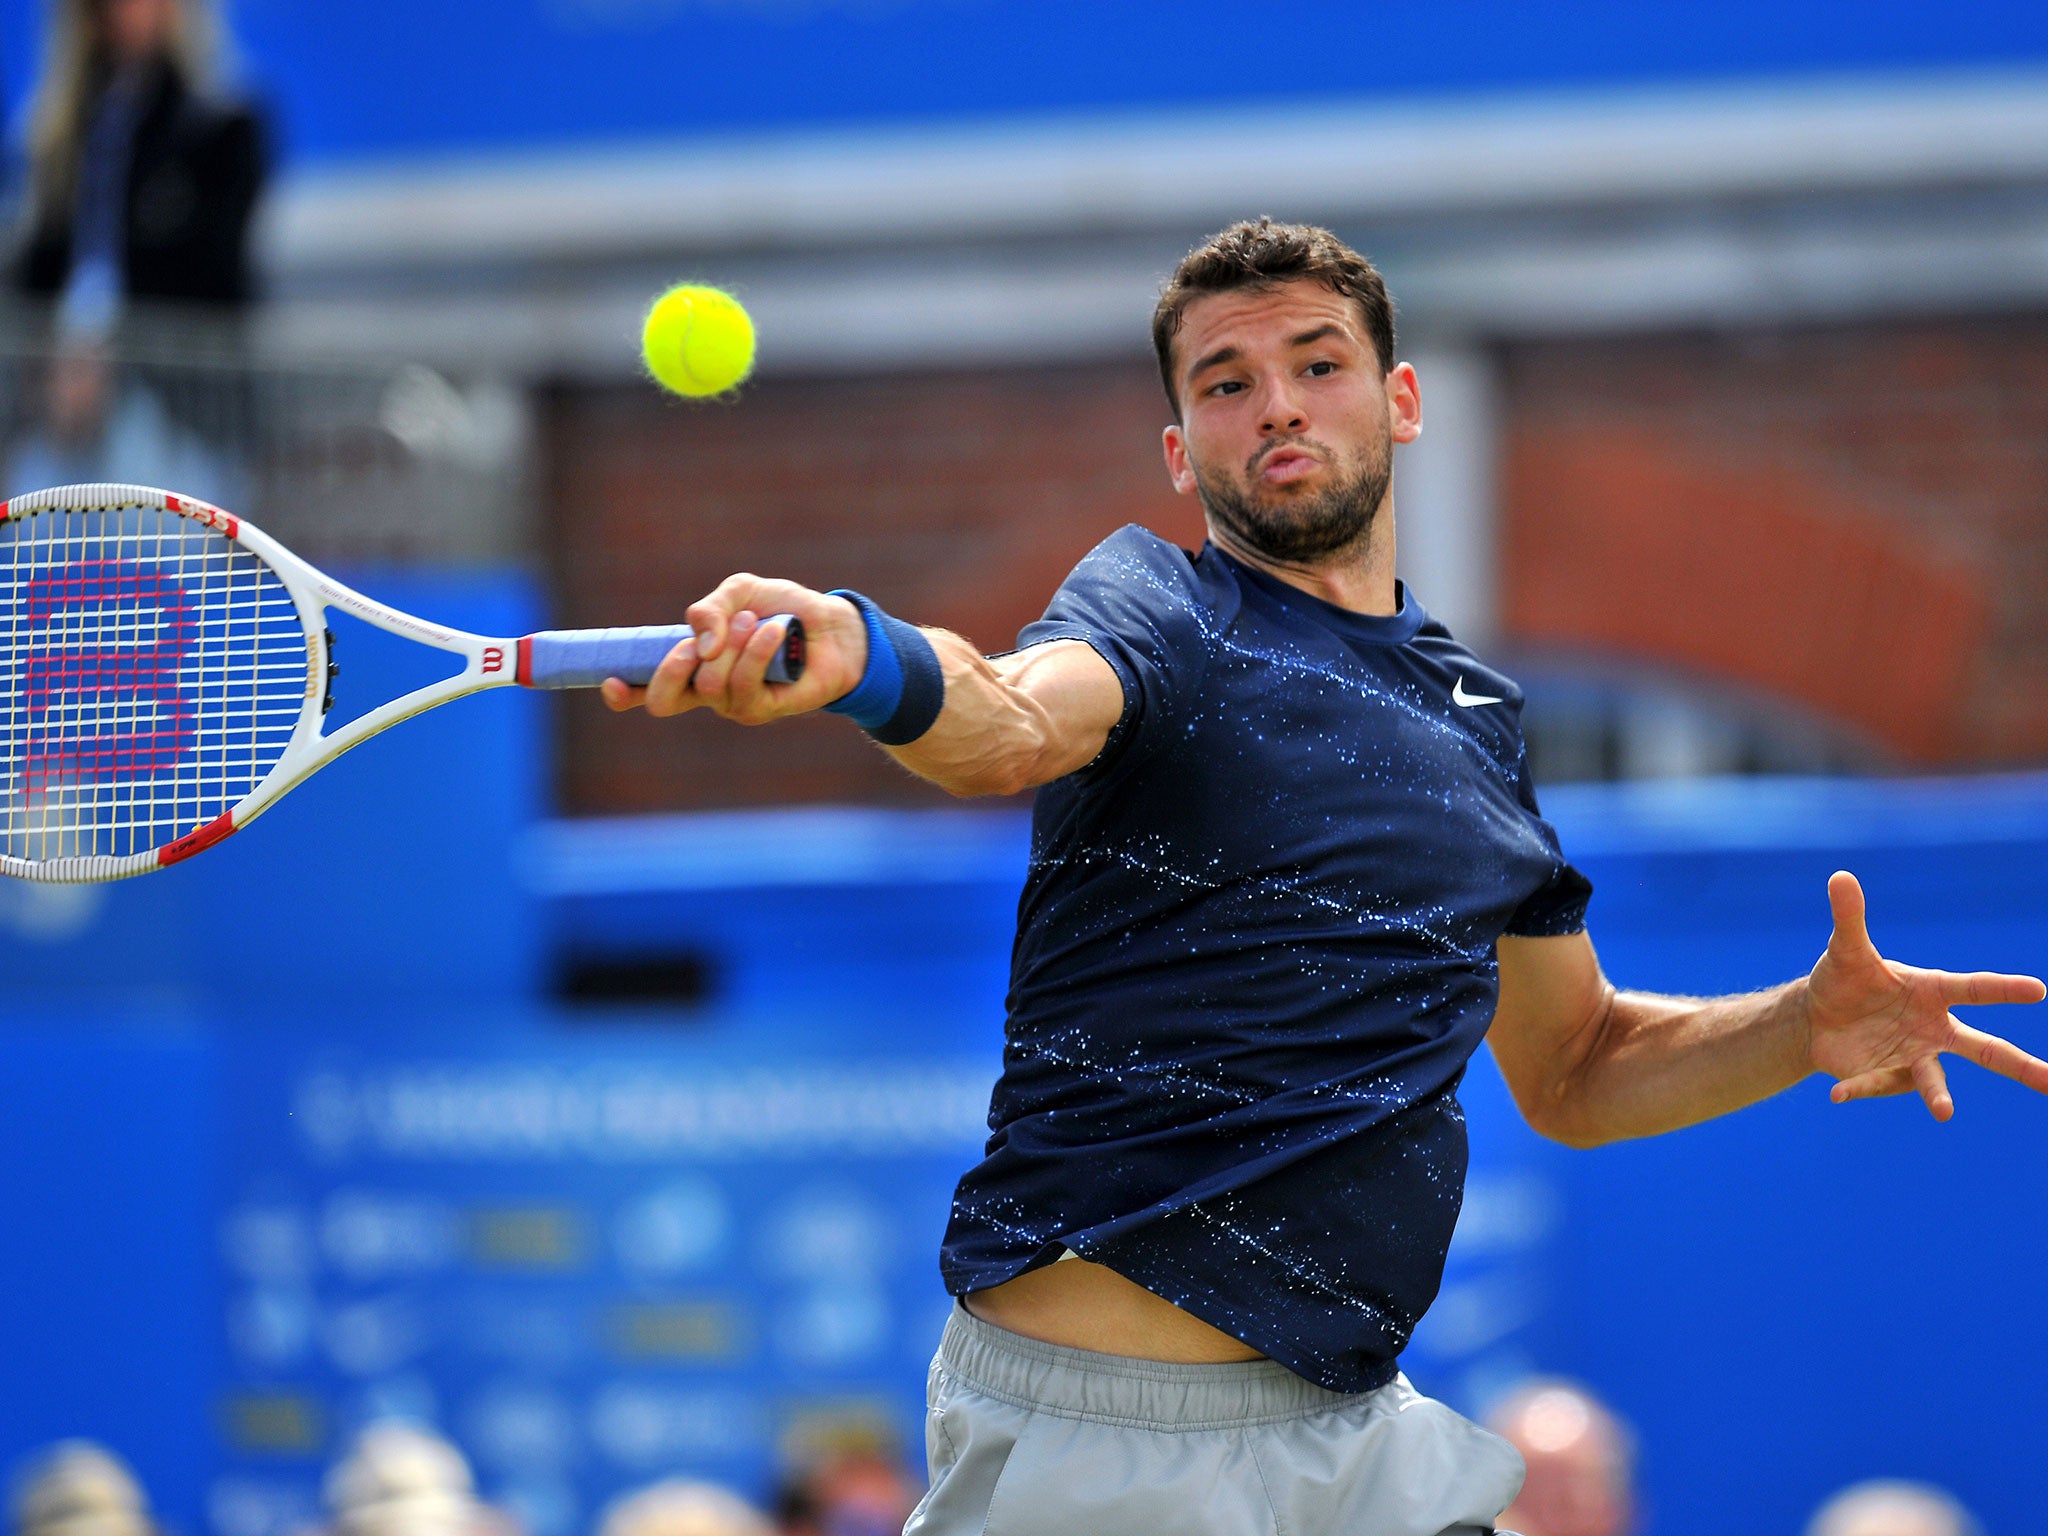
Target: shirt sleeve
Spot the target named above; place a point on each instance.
(1558, 906)
(1135, 600)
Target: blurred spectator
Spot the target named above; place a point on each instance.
(1892, 1508)
(142, 185)
(142, 182)
(860, 1491)
(400, 1480)
(77, 1488)
(1581, 1462)
(678, 1507)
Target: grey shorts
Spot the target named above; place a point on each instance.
(1029, 1439)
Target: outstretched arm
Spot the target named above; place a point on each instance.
(1589, 1064)
(1007, 724)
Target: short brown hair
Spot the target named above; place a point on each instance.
(1257, 253)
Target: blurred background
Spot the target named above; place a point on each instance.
(547, 1109)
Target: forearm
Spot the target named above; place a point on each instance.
(1014, 722)
(1588, 1064)
(990, 738)
(1652, 1063)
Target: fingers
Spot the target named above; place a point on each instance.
(712, 617)
(750, 699)
(712, 683)
(732, 648)
(2000, 1056)
(1845, 899)
(1990, 987)
(1878, 1084)
(735, 681)
(1932, 1082)
(668, 692)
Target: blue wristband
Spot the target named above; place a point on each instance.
(903, 689)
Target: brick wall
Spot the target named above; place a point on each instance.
(1854, 521)
(953, 499)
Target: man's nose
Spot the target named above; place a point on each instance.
(1280, 412)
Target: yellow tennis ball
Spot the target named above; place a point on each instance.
(697, 341)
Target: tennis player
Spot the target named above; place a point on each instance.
(1287, 871)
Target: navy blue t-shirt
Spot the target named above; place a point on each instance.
(1254, 952)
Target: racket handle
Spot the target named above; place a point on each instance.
(584, 658)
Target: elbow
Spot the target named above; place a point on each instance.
(1562, 1088)
(1554, 1116)
(1578, 1136)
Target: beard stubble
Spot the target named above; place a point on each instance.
(1305, 530)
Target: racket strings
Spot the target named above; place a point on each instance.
(152, 672)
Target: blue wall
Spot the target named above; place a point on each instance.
(110, 1141)
(377, 78)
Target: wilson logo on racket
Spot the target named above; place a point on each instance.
(111, 705)
(164, 669)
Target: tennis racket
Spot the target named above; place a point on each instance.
(165, 671)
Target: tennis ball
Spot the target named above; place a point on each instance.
(697, 341)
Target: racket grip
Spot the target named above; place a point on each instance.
(584, 658)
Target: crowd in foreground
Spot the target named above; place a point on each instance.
(401, 1480)
(1581, 1479)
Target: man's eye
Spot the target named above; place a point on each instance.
(1227, 387)
(1321, 369)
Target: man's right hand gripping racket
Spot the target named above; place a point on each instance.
(165, 669)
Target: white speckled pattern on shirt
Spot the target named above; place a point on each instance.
(1254, 953)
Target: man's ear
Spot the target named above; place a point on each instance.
(1404, 403)
(1179, 468)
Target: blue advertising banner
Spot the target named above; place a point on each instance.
(593, 1260)
(386, 78)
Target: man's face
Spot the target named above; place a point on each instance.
(1287, 423)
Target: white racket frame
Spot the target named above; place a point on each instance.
(487, 662)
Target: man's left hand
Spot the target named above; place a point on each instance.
(1880, 1028)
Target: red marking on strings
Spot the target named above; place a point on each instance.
(112, 592)
(525, 672)
(198, 841)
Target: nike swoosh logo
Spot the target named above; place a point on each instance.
(1460, 696)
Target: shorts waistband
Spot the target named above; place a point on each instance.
(1112, 1389)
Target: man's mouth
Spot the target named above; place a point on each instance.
(1286, 465)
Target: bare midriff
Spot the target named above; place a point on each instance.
(1090, 1306)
